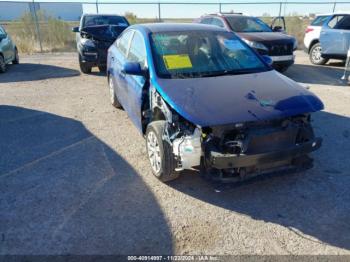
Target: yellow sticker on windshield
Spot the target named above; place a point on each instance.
(177, 61)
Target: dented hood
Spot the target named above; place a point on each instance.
(237, 98)
(267, 37)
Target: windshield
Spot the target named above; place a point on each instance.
(93, 20)
(247, 24)
(202, 54)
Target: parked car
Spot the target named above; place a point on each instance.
(335, 37)
(266, 40)
(312, 39)
(8, 50)
(202, 97)
(94, 36)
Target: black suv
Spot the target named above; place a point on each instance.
(264, 39)
(95, 35)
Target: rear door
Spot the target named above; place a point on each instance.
(335, 36)
(118, 57)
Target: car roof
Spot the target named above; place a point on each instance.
(226, 15)
(99, 14)
(171, 27)
(335, 13)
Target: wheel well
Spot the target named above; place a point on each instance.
(313, 42)
(148, 115)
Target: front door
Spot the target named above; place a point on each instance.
(335, 36)
(135, 84)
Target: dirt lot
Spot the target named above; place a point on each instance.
(74, 177)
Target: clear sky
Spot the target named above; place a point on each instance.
(195, 10)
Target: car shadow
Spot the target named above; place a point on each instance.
(311, 74)
(33, 72)
(64, 191)
(314, 204)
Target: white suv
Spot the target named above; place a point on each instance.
(312, 39)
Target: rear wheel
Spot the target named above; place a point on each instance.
(160, 152)
(86, 69)
(315, 55)
(15, 61)
(2, 64)
(113, 97)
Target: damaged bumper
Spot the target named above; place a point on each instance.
(224, 161)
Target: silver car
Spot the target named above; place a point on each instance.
(335, 37)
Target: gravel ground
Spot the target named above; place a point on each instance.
(74, 177)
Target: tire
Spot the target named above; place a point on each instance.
(315, 55)
(2, 64)
(160, 152)
(113, 97)
(16, 60)
(84, 67)
(102, 69)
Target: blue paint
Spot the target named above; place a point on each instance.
(215, 100)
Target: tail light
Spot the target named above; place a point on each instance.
(308, 29)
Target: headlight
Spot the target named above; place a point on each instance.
(295, 45)
(87, 42)
(256, 45)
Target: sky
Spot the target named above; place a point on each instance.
(255, 7)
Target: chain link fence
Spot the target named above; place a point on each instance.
(46, 26)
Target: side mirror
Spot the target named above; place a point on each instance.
(75, 29)
(132, 68)
(267, 59)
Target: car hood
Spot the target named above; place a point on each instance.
(237, 98)
(106, 33)
(266, 37)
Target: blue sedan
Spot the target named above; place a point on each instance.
(204, 99)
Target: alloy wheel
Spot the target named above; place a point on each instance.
(154, 151)
(316, 54)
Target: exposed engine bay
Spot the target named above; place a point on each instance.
(238, 151)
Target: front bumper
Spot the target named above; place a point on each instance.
(224, 161)
(282, 61)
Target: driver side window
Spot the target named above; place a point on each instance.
(341, 22)
(137, 52)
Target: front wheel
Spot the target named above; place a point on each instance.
(2, 64)
(315, 55)
(15, 61)
(86, 69)
(160, 152)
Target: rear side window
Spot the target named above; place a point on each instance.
(319, 21)
(123, 42)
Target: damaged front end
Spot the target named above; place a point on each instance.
(239, 151)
